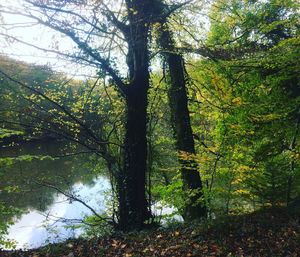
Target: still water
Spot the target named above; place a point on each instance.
(36, 228)
(45, 213)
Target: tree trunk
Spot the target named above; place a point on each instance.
(133, 205)
(293, 162)
(195, 207)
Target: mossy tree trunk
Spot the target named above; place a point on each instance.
(192, 184)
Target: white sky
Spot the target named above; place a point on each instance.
(19, 26)
(43, 37)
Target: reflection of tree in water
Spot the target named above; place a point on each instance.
(29, 176)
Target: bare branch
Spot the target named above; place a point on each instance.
(82, 45)
(74, 198)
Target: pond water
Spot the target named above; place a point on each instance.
(46, 214)
(37, 228)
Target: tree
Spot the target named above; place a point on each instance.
(192, 184)
(251, 92)
(126, 28)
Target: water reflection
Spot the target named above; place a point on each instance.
(41, 206)
(38, 228)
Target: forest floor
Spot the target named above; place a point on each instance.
(264, 233)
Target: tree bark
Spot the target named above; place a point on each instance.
(195, 206)
(133, 206)
(293, 163)
(133, 203)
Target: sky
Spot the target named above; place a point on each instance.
(24, 29)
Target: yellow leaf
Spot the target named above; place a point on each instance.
(237, 101)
